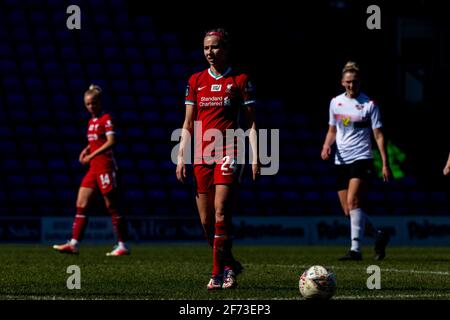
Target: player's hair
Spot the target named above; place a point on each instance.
(224, 37)
(94, 90)
(352, 67)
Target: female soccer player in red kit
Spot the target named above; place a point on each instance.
(101, 176)
(214, 99)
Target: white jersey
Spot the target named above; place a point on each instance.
(354, 120)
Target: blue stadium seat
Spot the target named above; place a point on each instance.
(147, 102)
(169, 38)
(38, 17)
(95, 70)
(158, 70)
(61, 180)
(5, 132)
(16, 101)
(21, 34)
(180, 195)
(121, 85)
(149, 165)
(25, 51)
(157, 133)
(69, 131)
(73, 69)
(42, 195)
(135, 195)
(138, 70)
(153, 54)
(140, 148)
(117, 70)
(9, 164)
(8, 67)
(42, 36)
(141, 87)
(34, 164)
(47, 53)
(47, 131)
(90, 53)
(34, 85)
(56, 164)
(148, 38)
(130, 115)
(179, 70)
(30, 68)
(175, 54)
(52, 148)
(102, 21)
(106, 36)
(133, 53)
(66, 195)
(112, 54)
(69, 54)
(151, 179)
(16, 181)
(143, 23)
(6, 52)
(151, 116)
(131, 179)
(164, 87)
(16, 18)
(23, 131)
(127, 39)
(157, 195)
(11, 84)
(125, 165)
(28, 147)
(53, 69)
(135, 133)
(20, 195)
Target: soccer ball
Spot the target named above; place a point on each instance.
(317, 282)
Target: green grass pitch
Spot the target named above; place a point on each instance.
(181, 271)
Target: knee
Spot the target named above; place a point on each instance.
(220, 214)
(353, 203)
(81, 204)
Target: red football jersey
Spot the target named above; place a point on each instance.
(98, 129)
(217, 101)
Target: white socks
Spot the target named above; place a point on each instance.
(122, 245)
(357, 222)
(74, 242)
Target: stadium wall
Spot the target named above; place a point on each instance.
(330, 230)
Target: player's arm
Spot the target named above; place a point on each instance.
(329, 140)
(110, 141)
(253, 138)
(83, 153)
(379, 138)
(447, 166)
(188, 128)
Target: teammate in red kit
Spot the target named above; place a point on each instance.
(101, 176)
(214, 99)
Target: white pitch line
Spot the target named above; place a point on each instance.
(440, 273)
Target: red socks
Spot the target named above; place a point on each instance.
(79, 224)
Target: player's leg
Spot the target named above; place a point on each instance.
(203, 178)
(84, 198)
(108, 186)
(205, 205)
(222, 257)
(357, 218)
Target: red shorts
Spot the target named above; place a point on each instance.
(105, 181)
(208, 175)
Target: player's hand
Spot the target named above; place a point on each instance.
(86, 159)
(387, 174)
(325, 154)
(82, 155)
(181, 172)
(446, 170)
(256, 171)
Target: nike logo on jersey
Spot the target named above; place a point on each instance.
(201, 88)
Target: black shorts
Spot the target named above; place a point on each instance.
(362, 169)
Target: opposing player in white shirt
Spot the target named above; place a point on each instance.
(352, 118)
